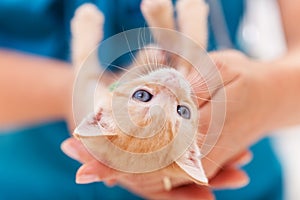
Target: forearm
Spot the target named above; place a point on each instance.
(283, 76)
(283, 91)
(32, 89)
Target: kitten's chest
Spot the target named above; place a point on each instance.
(143, 145)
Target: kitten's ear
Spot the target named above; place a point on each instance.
(190, 163)
(91, 127)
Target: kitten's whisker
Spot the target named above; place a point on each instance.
(209, 100)
(194, 76)
(139, 40)
(148, 60)
(200, 98)
(218, 147)
(124, 69)
(172, 60)
(205, 80)
(111, 73)
(204, 134)
(128, 45)
(203, 87)
(218, 86)
(152, 63)
(213, 162)
(211, 75)
(204, 99)
(143, 51)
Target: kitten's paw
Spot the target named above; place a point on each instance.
(87, 32)
(87, 21)
(156, 7)
(192, 20)
(192, 7)
(188, 5)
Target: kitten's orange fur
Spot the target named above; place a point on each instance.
(168, 87)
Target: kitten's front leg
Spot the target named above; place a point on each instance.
(192, 20)
(87, 32)
(160, 15)
(192, 23)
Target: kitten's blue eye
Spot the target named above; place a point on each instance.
(142, 95)
(184, 112)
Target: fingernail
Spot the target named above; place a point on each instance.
(70, 150)
(87, 178)
(240, 184)
(232, 185)
(246, 160)
(110, 183)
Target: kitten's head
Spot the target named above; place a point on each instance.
(159, 101)
(151, 113)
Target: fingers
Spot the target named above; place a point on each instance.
(207, 84)
(76, 150)
(143, 183)
(227, 56)
(201, 93)
(187, 192)
(226, 62)
(230, 178)
(94, 171)
(228, 174)
(242, 159)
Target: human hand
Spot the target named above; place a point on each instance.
(151, 185)
(248, 105)
(235, 79)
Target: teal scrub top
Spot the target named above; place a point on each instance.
(32, 165)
